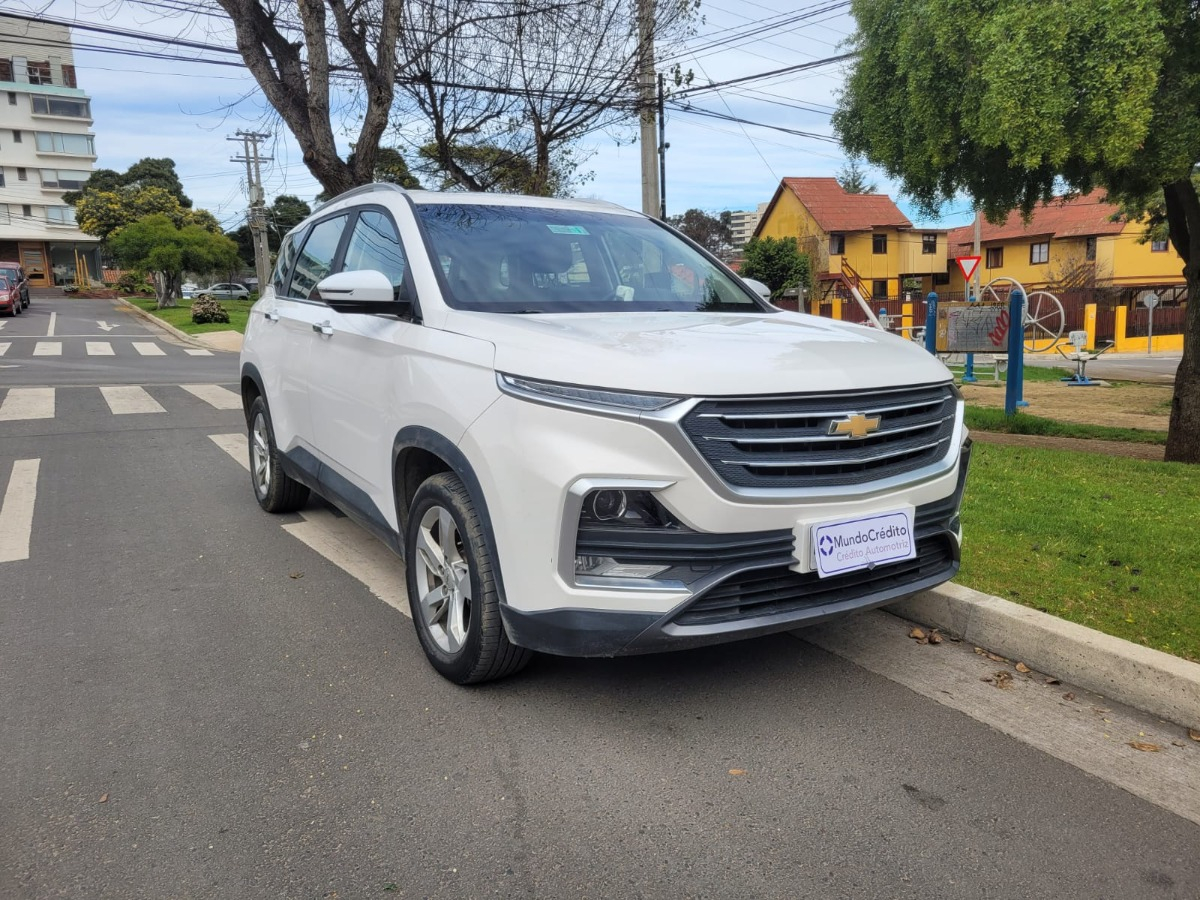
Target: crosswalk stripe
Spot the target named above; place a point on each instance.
(4, 347)
(190, 351)
(16, 512)
(47, 348)
(215, 395)
(27, 403)
(148, 348)
(99, 348)
(235, 446)
(129, 400)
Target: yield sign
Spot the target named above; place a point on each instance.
(968, 264)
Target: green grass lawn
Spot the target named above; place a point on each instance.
(989, 418)
(181, 316)
(1108, 542)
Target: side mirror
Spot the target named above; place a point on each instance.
(758, 287)
(362, 291)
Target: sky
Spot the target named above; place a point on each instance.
(187, 110)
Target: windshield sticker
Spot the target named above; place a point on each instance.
(567, 229)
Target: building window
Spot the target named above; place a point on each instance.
(76, 144)
(995, 257)
(1, 178)
(5, 218)
(59, 106)
(1089, 249)
(879, 289)
(929, 244)
(16, 135)
(12, 98)
(941, 278)
(22, 175)
(1158, 246)
(69, 75)
(837, 244)
(27, 211)
(39, 72)
(64, 179)
(6, 70)
(60, 215)
(1039, 253)
(879, 243)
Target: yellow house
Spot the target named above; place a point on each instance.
(1070, 244)
(855, 238)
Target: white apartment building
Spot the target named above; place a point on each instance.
(742, 224)
(46, 148)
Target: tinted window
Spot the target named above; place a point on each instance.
(315, 261)
(375, 245)
(526, 259)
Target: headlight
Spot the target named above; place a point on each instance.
(582, 397)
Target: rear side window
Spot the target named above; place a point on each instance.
(315, 261)
(283, 265)
(375, 245)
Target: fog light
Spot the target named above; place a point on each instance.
(607, 505)
(607, 567)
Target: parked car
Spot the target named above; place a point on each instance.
(188, 290)
(224, 292)
(585, 435)
(10, 298)
(14, 274)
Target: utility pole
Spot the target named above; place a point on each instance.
(256, 216)
(974, 290)
(662, 149)
(646, 108)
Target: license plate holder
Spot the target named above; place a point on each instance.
(863, 542)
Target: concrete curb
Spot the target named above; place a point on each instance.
(1149, 680)
(155, 320)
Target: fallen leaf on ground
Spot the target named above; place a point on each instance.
(1003, 679)
(916, 634)
(296, 575)
(1052, 680)
(996, 658)
(980, 651)
(1144, 746)
(1194, 734)
(934, 637)
(737, 771)
(1023, 669)
(1068, 696)
(103, 798)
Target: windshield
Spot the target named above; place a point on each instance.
(530, 260)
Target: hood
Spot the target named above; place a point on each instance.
(693, 354)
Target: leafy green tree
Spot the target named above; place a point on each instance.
(285, 213)
(157, 246)
(777, 263)
(1034, 98)
(853, 178)
(710, 232)
(144, 173)
(103, 213)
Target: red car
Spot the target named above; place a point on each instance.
(10, 298)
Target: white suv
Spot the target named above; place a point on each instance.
(585, 435)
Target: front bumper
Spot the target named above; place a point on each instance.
(760, 596)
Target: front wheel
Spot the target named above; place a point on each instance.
(275, 491)
(450, 575)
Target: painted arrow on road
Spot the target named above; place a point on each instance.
(105, 325)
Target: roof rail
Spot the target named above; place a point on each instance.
(368, 189)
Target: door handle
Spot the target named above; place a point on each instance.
(323, 328)
(271, 315)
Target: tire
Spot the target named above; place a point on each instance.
(275, 491)
(450, 574)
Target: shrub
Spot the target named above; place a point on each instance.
(70, 289)
(206, 309)
(129, 283)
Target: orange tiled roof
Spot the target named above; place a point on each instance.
(835, 210)
(1062, 217)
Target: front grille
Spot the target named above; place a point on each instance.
(785, 442)
(766, 592)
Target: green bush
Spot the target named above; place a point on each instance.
(131, 283)
(206, 309)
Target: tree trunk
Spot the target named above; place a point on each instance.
(1183, 220)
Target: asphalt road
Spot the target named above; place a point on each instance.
(200, 700)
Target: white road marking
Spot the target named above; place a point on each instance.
(339, 540)
(105, 326)
(16, 512)
(50, 327)
(356, 553)
(148, 348)
(214, 395)
(47, 348)
(2, 324)
(1084, 731)
(99, 348)
(127, 400)
(4, 347)
(192, 351)
(235, 446)
(27, 403)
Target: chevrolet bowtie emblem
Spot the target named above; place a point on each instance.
(855, 425)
